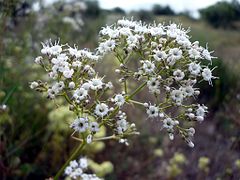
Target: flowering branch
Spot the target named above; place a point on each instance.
(73, 156)
(166, 62)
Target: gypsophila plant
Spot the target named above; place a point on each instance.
(77, 170)
(169, 65)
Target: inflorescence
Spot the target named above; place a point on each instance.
(169, 65)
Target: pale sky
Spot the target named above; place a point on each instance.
(176, 5)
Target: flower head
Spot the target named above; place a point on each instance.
(101, 109)
(80, 124)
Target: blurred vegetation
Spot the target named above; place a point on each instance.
(162, 10)
(34, 135)
(222, 14)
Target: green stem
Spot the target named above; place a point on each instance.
(136, 90)
(73, 156)
(127, 99)
(81, 146)
(105, 138)
(125, 86)
(67, 98)
(136, 102)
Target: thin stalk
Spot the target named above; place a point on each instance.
(81, 146)
(125, 86)
(67, 98)
(97, 139)
(73, 156)
(136, 90)
(135, 102)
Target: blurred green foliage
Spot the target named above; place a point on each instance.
(162, 10)
(222, 14)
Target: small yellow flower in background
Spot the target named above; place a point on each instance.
(237, 163)
(175, 166)
(203, 163)
(158, 152)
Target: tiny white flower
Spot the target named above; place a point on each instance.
(132, 40)
(73, 164)
(148, 66)
(171, 61)
(171, 136)
(86, 85)
(34, 85)
(194, 68)
(78, 172)
(83, 163)
(38, 59)
(51, 93)
(152, 111)
(109, 85)
(176, 53)
(96, 83)
(160, 55)
(57, 87)
(101, 109)
(76, 64)
(172, 31)
(3, 107)
(199, 118)
(188, 91)
(153, 85)
(55, 61)
(168, 123)
(89, 139)
(156, 31)
(161, 115)
(190, 144)
(194, 53)
(201, 111)
(191, 131)
(94, 127)
(72, 51)
(145, 104)
(67, 73)
(80, 124)
(178, 75)
(56, 49)
(119, 99)
(122, 126)
(183, 40)
(125, 31)
(68, 170)
(191, 115)
(46, 49)
(62, 57)
(207, 55)
(106, 46)
(80, 94)
(177, 95)
(124, 141)
(207, 75)
(71, 85)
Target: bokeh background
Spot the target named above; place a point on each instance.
(34, 136)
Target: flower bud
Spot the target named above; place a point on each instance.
(117, 70)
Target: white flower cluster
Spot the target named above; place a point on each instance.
(166, 62)
(169, 64)
(76, 170)
(73, 77)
